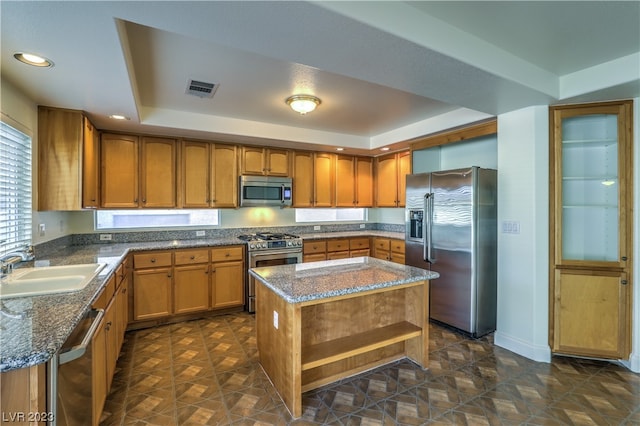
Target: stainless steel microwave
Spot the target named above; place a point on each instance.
(261, 191)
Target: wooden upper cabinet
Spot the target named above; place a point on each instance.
(195, 172)
(119, 171)
(264, 161)
(302, 164)
(67, 160)
(323, 175)
(90, 166)
(390, 179)
(224, 176)
(364, 182)
(345, 181)
(158, 173)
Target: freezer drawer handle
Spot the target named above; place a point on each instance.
(79, 350)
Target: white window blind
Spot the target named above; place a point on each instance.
(15, 189)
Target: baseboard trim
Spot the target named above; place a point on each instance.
(633, 363)
(540, 353)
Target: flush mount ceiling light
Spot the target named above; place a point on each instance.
(303, 103)
(118, 117)
(33, 60)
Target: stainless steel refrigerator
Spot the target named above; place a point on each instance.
(451, 228)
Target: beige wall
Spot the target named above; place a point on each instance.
(21, 113)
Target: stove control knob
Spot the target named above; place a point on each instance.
(252, 246)
(299, 242)
(264, 245)
(289, 243)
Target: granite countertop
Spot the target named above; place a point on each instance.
(353, 234)
(50, 319)
(305, 282)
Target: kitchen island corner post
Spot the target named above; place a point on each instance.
(278, 326)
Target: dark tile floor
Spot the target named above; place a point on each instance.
(206, 372)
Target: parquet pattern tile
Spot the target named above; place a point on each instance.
(206, 372)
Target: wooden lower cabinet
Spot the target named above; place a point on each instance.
(590, 308)
(389, 249)
(188, 281)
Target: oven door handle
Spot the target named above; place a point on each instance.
(274, 253)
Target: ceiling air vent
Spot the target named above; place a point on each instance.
(201, 89)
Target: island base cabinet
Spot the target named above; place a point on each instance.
(306, 345)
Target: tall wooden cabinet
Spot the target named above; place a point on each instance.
(591, 200)
(303, 175)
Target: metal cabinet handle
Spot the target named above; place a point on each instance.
(193, 257)
(153, 260)
(624, 258)
(624, 282)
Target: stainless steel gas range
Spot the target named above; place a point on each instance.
(269, 249)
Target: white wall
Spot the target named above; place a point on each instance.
(479, 152)
(523, 196)
(21, 113)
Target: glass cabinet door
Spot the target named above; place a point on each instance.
(590, 186)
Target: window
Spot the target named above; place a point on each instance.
(15, 189)
(331, 215)
(137, 219)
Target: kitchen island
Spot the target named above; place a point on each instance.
(322, 321)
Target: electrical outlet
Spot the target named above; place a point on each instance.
(362, 225)
(275, 320)
(316, 227)
(41, 229)
(200, 233)
(105, 237)
(510, 227)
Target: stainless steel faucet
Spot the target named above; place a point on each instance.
(8, 260)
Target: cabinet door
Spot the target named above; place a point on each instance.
(158, 173)
(151, 293)
(227, 284)
(404, 168)
(122, 310)
(59, 158)
(591, 163)
(90, 169)
(252, 161)
(302, 179)
(345, 181)
(111, 339)
(277, 162)
(591, 317)
(386, 181)
(194, 171)
(364, 182)
(224, 176)
(323, 172)
(119, 171)
(99, 370)
(191, 288)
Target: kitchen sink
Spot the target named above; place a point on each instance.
(48, 280)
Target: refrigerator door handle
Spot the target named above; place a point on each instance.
(428, 213)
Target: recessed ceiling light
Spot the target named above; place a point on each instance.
(34, 60)
(339, 149)
(118, 117)
(386, 148)
(303, 103)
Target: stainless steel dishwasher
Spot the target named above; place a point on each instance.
(70, 375)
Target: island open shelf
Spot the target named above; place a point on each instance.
(305, 344)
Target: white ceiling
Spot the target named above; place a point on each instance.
(386, 71)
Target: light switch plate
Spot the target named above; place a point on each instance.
(105, 237)
(275, 320)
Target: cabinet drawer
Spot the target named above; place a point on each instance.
(358, 243)
(381, 244)
(227, 253)
(358, 253)
(397, 246)
(337, 245)
(337, 255)
(314, 257)
(151, 260)
(188, 257)
(314, 247)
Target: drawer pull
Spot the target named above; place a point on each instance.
(153, 260)
(193, 257)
